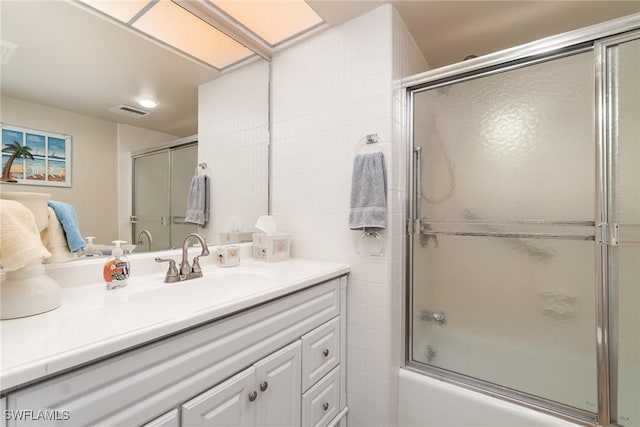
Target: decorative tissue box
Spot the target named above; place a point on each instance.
(271, 247)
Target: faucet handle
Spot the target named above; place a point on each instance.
(196, 270)
(172, 273)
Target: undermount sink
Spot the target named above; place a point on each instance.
(220, 286)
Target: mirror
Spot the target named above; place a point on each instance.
(64, 68)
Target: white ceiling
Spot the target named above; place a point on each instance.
(447, 31)
(74, 60)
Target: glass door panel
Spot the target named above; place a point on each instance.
(151, 199)
(504, 257)
(517, 313)
(517, 145)
(623, 97)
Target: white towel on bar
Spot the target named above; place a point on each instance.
(198, 201)
(368, 192)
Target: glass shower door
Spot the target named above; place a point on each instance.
(504, 253)
(151, 177)
(161, 182)
(622, 98)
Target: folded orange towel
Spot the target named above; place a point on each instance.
(20, 242)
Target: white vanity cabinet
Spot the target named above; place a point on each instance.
(261, 366)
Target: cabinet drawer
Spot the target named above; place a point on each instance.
(320, 352)
(320, 404)
(170, 419)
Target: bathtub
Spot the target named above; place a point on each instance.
(428, 402)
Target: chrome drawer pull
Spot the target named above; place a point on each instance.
(253, 396)
(264, 386)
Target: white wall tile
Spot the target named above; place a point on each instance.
(328, 93)
(368, 411)
(371, 294)
(369, 339)
(237, 158)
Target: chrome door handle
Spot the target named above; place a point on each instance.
(417, 197)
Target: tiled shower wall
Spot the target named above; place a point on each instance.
(328, 93)
(233, 129)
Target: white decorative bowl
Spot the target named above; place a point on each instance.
(28, 291)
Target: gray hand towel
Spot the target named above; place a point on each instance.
(368, 192)
(198, 201)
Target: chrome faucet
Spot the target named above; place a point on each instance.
(149, 238)
(191, 272)
(186, 271)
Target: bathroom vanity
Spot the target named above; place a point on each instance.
(257, 345)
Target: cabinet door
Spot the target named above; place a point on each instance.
(228, 404)
(170, 419)
(278, 383)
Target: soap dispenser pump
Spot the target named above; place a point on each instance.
(116, 269)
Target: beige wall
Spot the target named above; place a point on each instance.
(93, 190)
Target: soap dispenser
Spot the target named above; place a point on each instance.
(116, 269)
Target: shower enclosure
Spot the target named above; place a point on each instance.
(161, 181)
(524, 226)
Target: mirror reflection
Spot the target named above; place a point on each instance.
(69, 70)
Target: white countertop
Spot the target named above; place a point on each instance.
(93, 322)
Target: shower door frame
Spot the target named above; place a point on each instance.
(574, 42)
(161, 220)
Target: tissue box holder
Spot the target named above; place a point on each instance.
(271, 247)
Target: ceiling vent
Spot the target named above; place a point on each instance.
(129, 111)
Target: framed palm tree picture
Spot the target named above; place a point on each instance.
(35, 157)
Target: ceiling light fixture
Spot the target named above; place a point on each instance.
(170, 23)
(274, 21)
(221, 33)
(147, 102)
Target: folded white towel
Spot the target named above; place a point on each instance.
(198, 201)
(54, 239)
(20, 242)
(368, 192)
